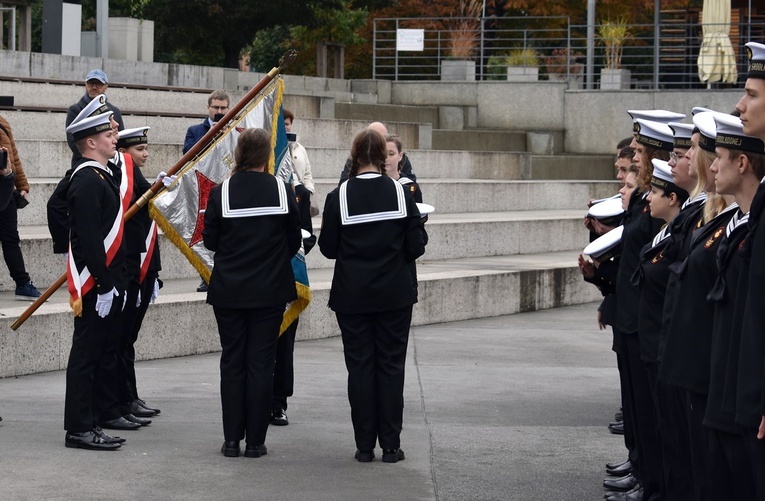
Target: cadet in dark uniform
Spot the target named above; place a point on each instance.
(686, 357)
(653, 139)
(143, 266)
(373, 231)
(252, 224)
(739, 166)
(750, 402)
(406, 165)
(96, 285)
(394, 165)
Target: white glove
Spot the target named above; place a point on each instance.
(104, 302)
(166, 180)
(124, 299)
(155, 293)
(138, 300)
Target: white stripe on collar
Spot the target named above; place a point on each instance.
(346, 219)
(368, 175)
(91, 163)
(282, 208)
(405, 180)
(698, 198)
(661, 236)
(737, 220)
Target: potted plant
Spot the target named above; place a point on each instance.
(612, 35)
(464, 34)
(563, 66)
(522, 65)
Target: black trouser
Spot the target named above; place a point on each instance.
(375, 345)
(284, 369)
(628, 403)
(676, 459)
(755, 449)
(248, 338)
(92, 377)
(9, 236)
(731, 473)
(700, 435)
(132, 319)
(644, 412)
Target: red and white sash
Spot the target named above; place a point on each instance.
(80, 282)
(151, 240)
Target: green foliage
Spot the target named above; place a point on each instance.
(267, 47)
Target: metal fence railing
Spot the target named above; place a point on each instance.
(657, 58)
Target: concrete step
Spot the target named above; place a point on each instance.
(181, 323)
(60, 95)
(448, 195)
(479, 140)
(315, 132)
(452, 236)
(50, 159)
(387, 113)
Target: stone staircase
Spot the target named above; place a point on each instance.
(504, 239)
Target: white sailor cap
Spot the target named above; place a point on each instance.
(132, 137)
(654, 134)
(682, 133)
(730, 134)
(609, 211)
(662, 175)
(96, 106)
(701, 109)
(662, 116)
(90, 126)
(605, 246)
(704, 124)
(756, 54)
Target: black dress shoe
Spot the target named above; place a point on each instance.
(143, 404)
(137, 420)
(393, 455)
(230, 448)
(613, 466)
(255, 451)
(136, 409)
(636, 494)
(279, 417)
(622, 484)
(621, 471)
(120, 424)
(364, 456)
(616, 429)
(203, 287)
(88, 440)
(619, 416)
(108, 438)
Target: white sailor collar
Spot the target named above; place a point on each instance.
(269, 210)
(347, 219)
(738, 219)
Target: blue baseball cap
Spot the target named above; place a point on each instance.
(97, 74)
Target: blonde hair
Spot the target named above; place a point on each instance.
(715, 203)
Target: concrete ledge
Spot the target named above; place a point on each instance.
(386, 113)
(570, 167)
(449, 291)
(479, 140)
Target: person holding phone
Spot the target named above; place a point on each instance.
(9, 224)
(217, 106)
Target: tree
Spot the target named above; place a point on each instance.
(215, 32)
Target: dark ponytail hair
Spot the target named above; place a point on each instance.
(368, 149)
(253, 149)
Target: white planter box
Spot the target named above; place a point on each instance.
(615, 79)
(458, 70)
(522, 73)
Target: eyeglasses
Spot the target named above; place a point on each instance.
(219, 108)
(673, 156)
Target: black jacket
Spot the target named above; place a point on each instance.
(93, 202)
(372, 271)
(254, 239)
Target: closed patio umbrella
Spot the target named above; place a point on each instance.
(717, 61)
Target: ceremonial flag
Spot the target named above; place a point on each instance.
(179, 210)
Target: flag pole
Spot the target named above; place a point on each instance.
(155, 188)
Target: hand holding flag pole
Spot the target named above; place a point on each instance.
(199, 147)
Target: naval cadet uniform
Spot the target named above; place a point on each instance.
(253, 226)
(373, 231)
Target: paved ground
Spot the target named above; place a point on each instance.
(508, 408)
